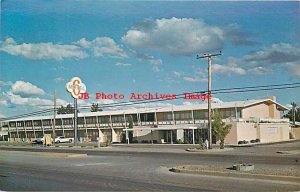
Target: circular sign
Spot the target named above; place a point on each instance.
(76, 87)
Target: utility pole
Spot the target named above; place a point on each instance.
(209, 58)
(54, 117)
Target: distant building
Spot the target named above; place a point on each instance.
(251, 120)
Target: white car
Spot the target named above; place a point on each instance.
(62, 139)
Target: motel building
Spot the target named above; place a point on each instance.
(251, 120)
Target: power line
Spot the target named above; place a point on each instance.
(217, 91)
(180, 96)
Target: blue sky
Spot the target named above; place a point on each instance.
(151, 46)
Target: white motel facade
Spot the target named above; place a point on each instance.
(251, 120)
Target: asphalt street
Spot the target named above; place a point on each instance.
(26, 169)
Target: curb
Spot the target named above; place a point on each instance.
(238, 175)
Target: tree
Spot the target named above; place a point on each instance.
(294, 113)
(65, 110)
(95, 107)
(219, 129)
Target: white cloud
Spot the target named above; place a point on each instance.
(175, 36)
(198, 76)
(103, 46)
(225, 69)
(26, 89)
(32, 101)
(194, 79)
(3, 102)
(176, 73)
(42, 50)
(58, 79)
(156, 68)
(145, 57)
(259, 71)
(84, 43)
(123, 64)
(294, 69)
(282, 53)
(18, 100)
(5, 83)
(238, 37)
(216, 100)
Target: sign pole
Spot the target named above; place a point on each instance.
(75, 122)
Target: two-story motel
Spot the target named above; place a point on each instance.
(251, 120)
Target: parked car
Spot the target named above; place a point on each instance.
(38, 140)
(62, 139)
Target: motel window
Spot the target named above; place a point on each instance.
(80, 121)
(117, 119)
(149, 117)
(20, 124)
(183, 116)
(272, 130)
(167, 117)
(103, 119)
(47, 122)
(28, 123)
(131, 116)
(37, 123)
(58, 122)
(91, 120)
(68, 121)
(12, 124)
(200, 115)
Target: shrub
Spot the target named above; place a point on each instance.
(243, 142)
(257, 140)
(253, 141)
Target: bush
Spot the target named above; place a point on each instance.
(257, 140)
(145, 141)
(135, 141)
(253, 141)
(243, 142)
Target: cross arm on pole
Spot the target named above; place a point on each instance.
(209, 55)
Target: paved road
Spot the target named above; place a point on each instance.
(130, 171)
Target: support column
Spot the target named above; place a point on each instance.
(85, 124)
(8, 132)
(33, 129)
(62, 126)
(24, 127)
(173, 116)
(18, 131)
(42, 127)
(193, 136)
(171, 136)
(111, 127)
(193, 117)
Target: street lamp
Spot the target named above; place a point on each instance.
(209, 58)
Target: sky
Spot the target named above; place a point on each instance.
(129, 47)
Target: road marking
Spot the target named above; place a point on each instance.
(43, 154)
(88, 164)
